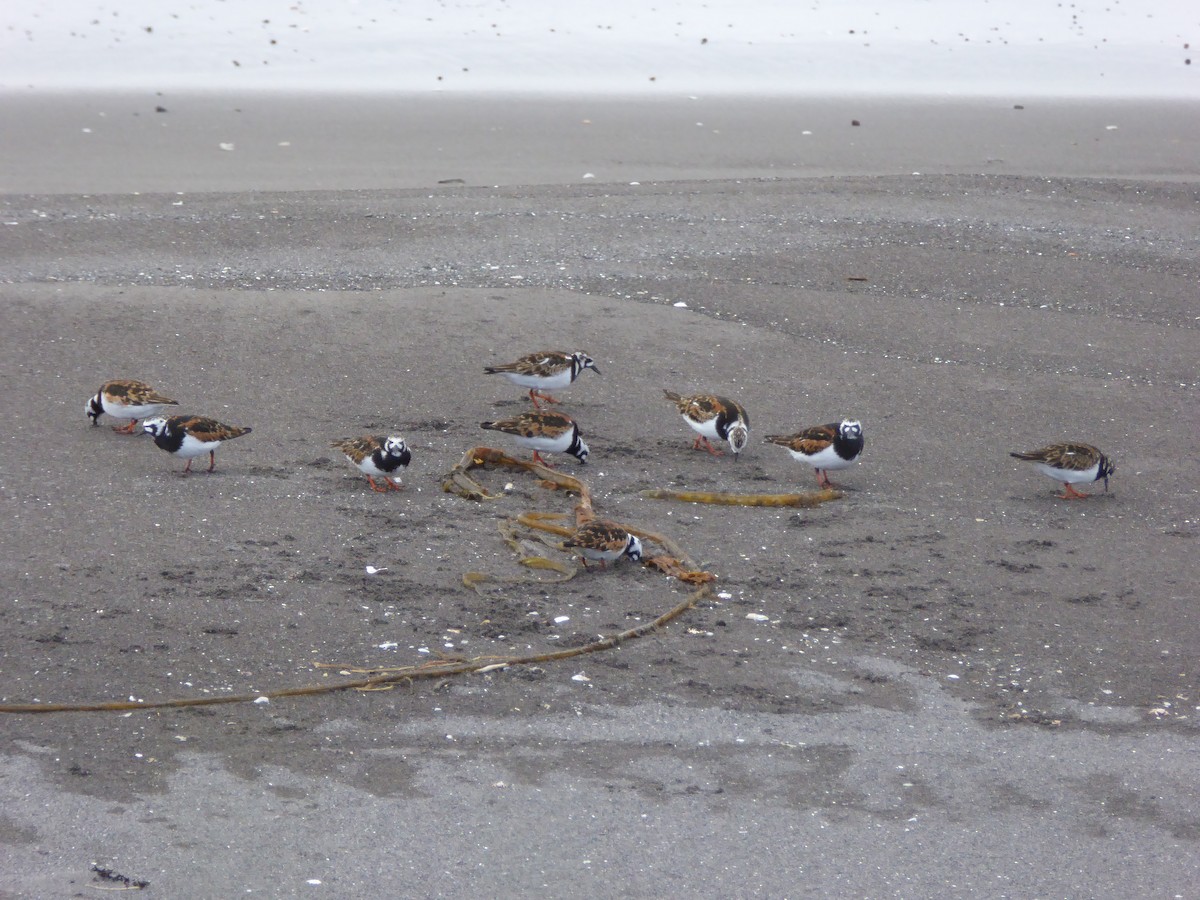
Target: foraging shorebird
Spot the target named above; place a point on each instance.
(602, 540)
(1071, 463)
(543, 431)
(125, 398)
(713, 417)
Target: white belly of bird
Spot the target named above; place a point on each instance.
(708, 429)
(593, 553)
(195, 447)
(368, 467)
(545, 444)
(1069, 476)
(144, 411)
(553, 382)
(827, 459)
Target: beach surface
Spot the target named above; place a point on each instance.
(945, 683)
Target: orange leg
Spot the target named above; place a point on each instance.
(535, 395)
(537, 458)
(212, 460)
(376, 488)
(127, 428)
(701, 443)
(188, 467)
(1069, 493)
(394, 485)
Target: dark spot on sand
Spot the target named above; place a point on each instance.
(1015, 567)
(947, 643)
(872, 678)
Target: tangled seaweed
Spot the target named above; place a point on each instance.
(671, 561)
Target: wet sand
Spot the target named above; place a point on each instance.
(119, 143)
(947, 682)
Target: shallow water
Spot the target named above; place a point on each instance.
(768, 46)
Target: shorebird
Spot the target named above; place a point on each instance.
(714, 417)
(544, 371)
(377, 456)
(190, 436)
(1071, 463)
(125, 398)
(602, 540)
(543, 431)
(824, 447)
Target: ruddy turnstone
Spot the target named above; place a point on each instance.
(714, 417)
(601, 540)
(824, 447)
(191, 436)
(125, 398)
(544, 371)
(380, 456)
(1071, 463)
(548, 431)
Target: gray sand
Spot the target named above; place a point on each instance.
(947, 683)
(102, 143)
